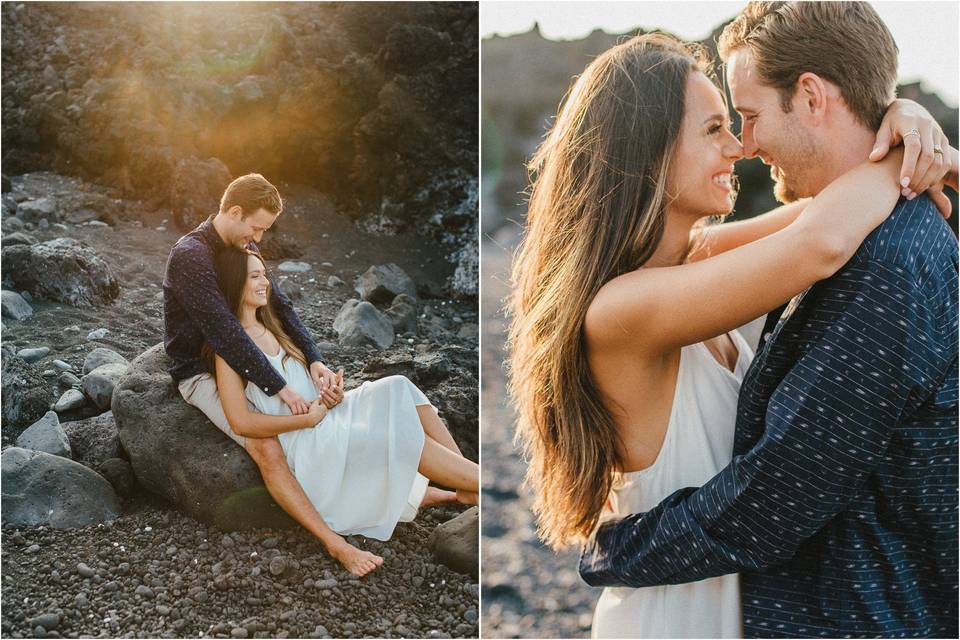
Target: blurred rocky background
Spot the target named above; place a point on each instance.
(528, 590)
(121, 126)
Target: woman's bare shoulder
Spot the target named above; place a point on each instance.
(616, 314)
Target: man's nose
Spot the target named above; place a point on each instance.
(748, 146)
(257, 236)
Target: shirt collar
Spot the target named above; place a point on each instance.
(209, 233)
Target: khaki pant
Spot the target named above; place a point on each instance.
(201, 392)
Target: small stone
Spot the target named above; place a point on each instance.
(470, 615)
(226, 541)
(68, 379)
(239, 632)
(270, 543)
(60, 365)
(98, 334)
(80, 601)
(14, 306)
(333, 282)
(291, 266)
(329, 583)
(278, 565)
(34, 354)
(33, 548)
(46, 621)
(84, 570)
(71, 399)
(163, 610)
(144, 590)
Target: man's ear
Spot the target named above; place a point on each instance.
(236, 211)
(812, 95)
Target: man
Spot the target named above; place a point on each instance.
(195, 311)
(840, 504)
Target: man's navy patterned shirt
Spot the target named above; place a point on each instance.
(840, 504)
(195, 310)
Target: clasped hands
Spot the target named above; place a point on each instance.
(329, 387)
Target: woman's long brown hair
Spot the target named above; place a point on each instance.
(596, 211)
(231, 266)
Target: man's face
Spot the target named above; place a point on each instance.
(250, 229)
(782, 140)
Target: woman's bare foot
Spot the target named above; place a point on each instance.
(468, 497)
(356, 561)
(437, 496)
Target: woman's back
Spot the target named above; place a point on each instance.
(697, 442)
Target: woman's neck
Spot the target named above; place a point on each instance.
(675, 243)
(248, 317)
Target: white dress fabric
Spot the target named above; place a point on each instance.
(697, 445)
(358, 466)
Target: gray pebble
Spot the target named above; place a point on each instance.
(84, 570)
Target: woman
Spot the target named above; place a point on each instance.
(363, 457)
(626, 362)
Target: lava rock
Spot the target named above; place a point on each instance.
(98, 334)
(195, 189)
(403, 314)
(94, 440)
(382, 283)
(70, 400)
(26, 395)
(18, 237)
(14, 306)
(359, 323)
(99, 383)
(47, 435)
(43, 489)
(101, 356)
(62, 270)
(36, 210)
(171, 445)
(34, 354)
(456, 543)
(119, 474)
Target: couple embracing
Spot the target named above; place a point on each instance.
(808, 489)
(339, 462)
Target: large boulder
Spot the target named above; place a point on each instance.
(26, 395)
(178, 454)
(359, 323)
(43, 489)
(456, 543)
(195, 189)
(94, 440)
(61, 270)
(46, 434)
(382, 283)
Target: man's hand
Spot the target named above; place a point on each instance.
(298, 406)
(922, 166)
(323, 378)
(333, 395)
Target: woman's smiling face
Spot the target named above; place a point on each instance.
(701, 170)
(256, 291)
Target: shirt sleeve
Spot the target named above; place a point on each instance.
(194, 283)
(294, 326)
(828, 423)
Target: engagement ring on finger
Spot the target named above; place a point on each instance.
(938, 149)
(912, 132)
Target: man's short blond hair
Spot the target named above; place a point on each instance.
(251, 192)
(843, 42)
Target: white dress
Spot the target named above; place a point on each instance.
(358, 466)
(697, 445)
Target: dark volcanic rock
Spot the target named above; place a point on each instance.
(61, 270)
(119, 474)
(101, 356)
(456, 543)
(382, 283)
(94, 440)
(359, 323)
(39, 488)
(178, 454)
(100, 383)
(26, 395)
(195, 190)
(14, 306)
(403, 314)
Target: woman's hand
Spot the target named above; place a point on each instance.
(318, 411)
(334, 395)
(925, 161)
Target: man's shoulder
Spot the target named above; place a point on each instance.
(190, 245)
(914, 239)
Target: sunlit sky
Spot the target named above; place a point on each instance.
(926, 32)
